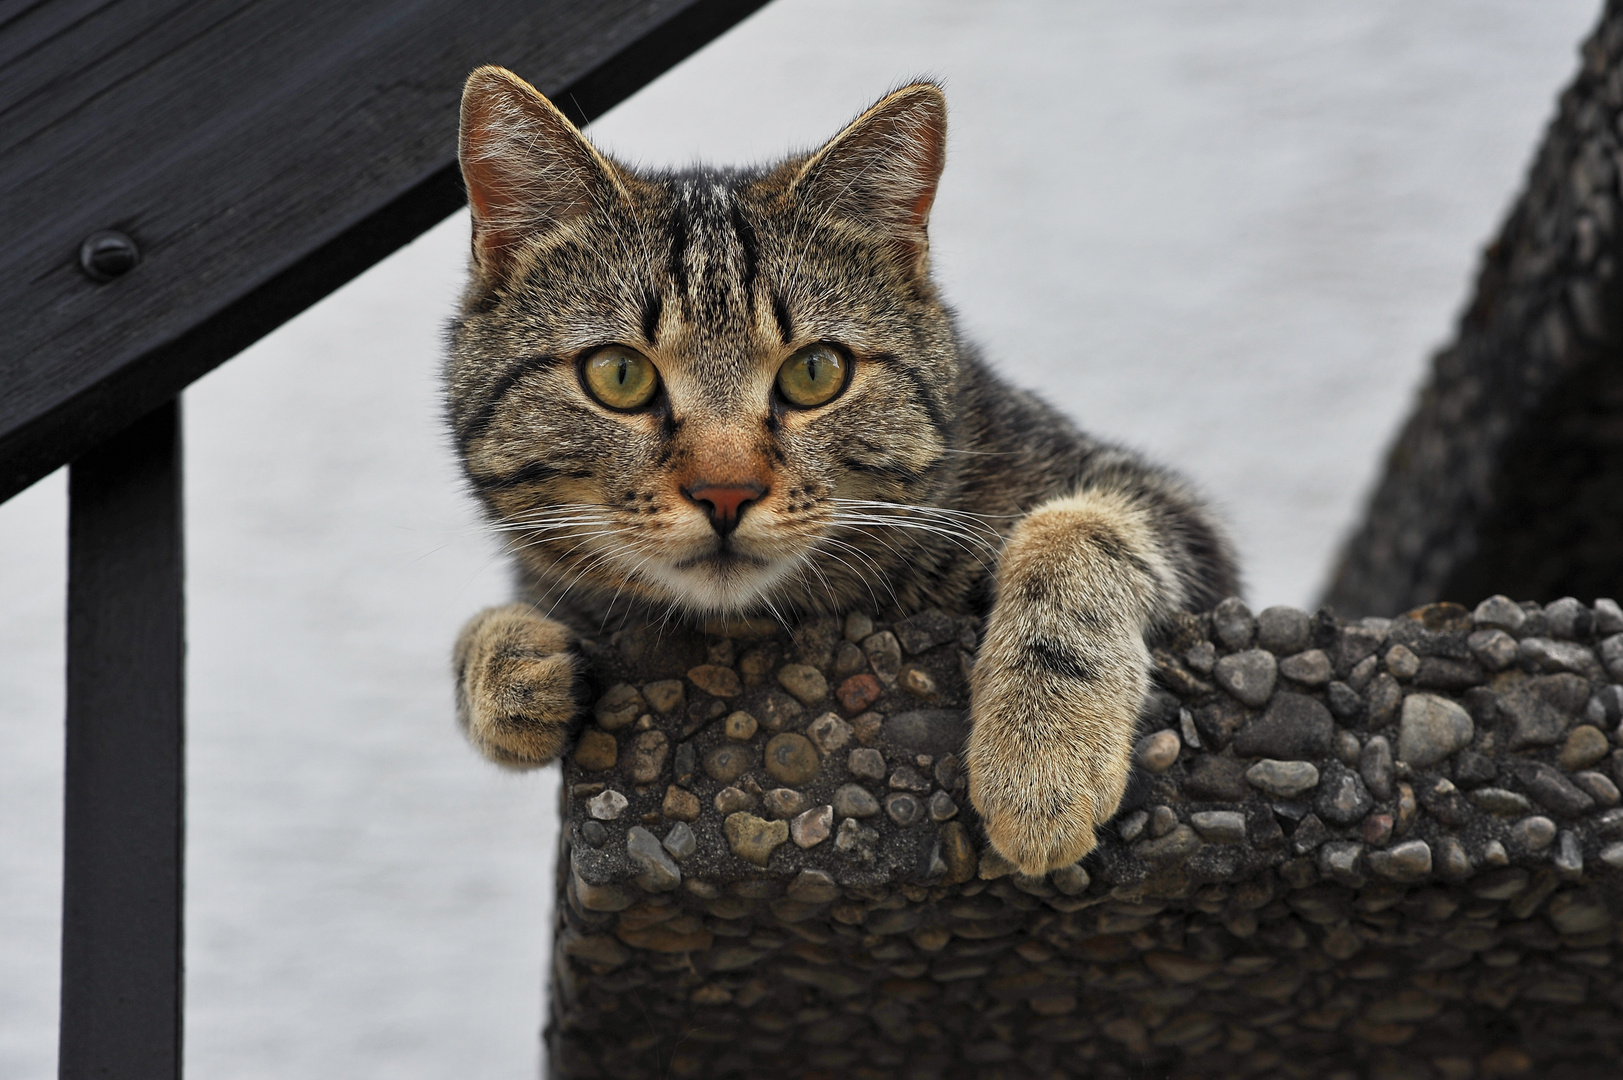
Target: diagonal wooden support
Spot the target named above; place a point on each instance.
(124, 827)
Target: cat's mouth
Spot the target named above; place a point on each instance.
(722, 558)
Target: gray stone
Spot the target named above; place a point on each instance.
(1533, 833)
(728, 761)
(1611, 655)
(1232, 623)
(1409, 861)
(1129, 828)
(1294, 727)
(854, 801)
(884, 654)
(942, 808)
(1283, 630)
(1348, 749)
(1071, 880)
(1248, 675)
(1342, 797)
(1343, 861)
(606, 805)
(1612, 856)
(925, 630)
(1608, 617)
(1344, 701)
(1219, 826)
(1402, 662)
(866, 764)
(814, 887)
(1157, 751)
(1568, 619)
(658, 872)
(680, 841)
(829, 733)
(1547, 654)
(904, 809)
(1201, 656)
(1356, 644)
(1552, 789)
(1220, 779)
(1598, 786)
(1433, 728)
(1310, 668)
(1358, 678)
(594, 834)
(855, 840)
(927, 731)
(907, 778)
(1283, 779)
(1175, 847)
(1501, 801)
(685, 762)
(1495, 649)
(1569, 856)
(1541, 710)
(857, 626)
(731, 800)
(1501, 612)
(1186, 728)
(813, 826)
(1163, 819)
(805, 682)
(849, 661)
(1472, 768)
(1452, 861)
(1375, 766)
(1309, 835)
(1382, 697)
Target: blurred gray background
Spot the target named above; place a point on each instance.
(1227, 234)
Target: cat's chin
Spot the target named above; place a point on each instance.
(720, 583)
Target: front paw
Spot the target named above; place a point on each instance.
(516, 675)
(1050, 747)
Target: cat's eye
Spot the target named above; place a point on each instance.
(812, 376)
(620, 378)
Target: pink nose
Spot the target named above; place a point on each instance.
(724, 503)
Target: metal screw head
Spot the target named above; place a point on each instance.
(108, 254)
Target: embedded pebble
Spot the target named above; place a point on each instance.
(1342, 860)
(1375, 766)
(829, 733)
(1311, 668)
(906, 778)
(1348, 749)
(1585, 745)
(1500, 611)
(1163, 819)
(1432, 728)
(722, 682)
(606, 805)
(1071, 880)
(1501, 801)
(728, 762)
(619, 706)
(1342, 797)
(1283, 630)
(680, 841)
(942, 808)
(812, 827)
(858, 692)
(1550, 655)
(1157, 751)
(659, 873)
(904, 809)
(1493, 854)
(665, 695)
(791, 759)
(1496, 649)
(785, 802)
(916, 681)
(1612, 855)
(1219, 826)
(884, 654)
(754, 839)
(803, 681)
(1608, 617)
(854, 800)
(1533, 833)
(648, 752)
(594, 834)
(1551, 788)
(1569, 856)
(596, 750)
(1402, 662)
(1451, 860)
(849, 661)
(866, 764)
(1233, 624)
(730, 800)
(1130, 827)
(685, 762)
(740, 726)
(1283, 779)
(1201, 656)
(1376, 830)
(680, 805)
(1409, 861)
(1568, 618)
(855, 840)
(1248, 675)
(1293, 727)
(857, 626)
(1186, 728)
(1597, 786)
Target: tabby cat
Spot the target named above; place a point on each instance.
(721, 392)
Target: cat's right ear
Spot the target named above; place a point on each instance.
(526, 167)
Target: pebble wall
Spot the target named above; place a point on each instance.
(1387, 849)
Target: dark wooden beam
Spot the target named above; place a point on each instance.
(124, 822)
(259, 155)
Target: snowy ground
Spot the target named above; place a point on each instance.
(1228, 234)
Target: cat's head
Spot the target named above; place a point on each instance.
(694, 387)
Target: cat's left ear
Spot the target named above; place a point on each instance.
(526, 167)
(882, 170)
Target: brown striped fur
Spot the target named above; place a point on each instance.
(926, 481)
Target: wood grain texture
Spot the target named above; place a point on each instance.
(261, 155)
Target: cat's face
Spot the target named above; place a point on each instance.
(685, 387)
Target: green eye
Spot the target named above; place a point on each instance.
(812, 376)
(620, 378)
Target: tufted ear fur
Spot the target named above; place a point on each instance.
(882, 170)
(526, 167)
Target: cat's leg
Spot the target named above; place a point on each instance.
(1063, 667)
(515, 685)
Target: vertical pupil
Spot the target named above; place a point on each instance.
(623, 370)
(811, 368)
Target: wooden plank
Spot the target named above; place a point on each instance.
(260, 154)
(124, 821)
